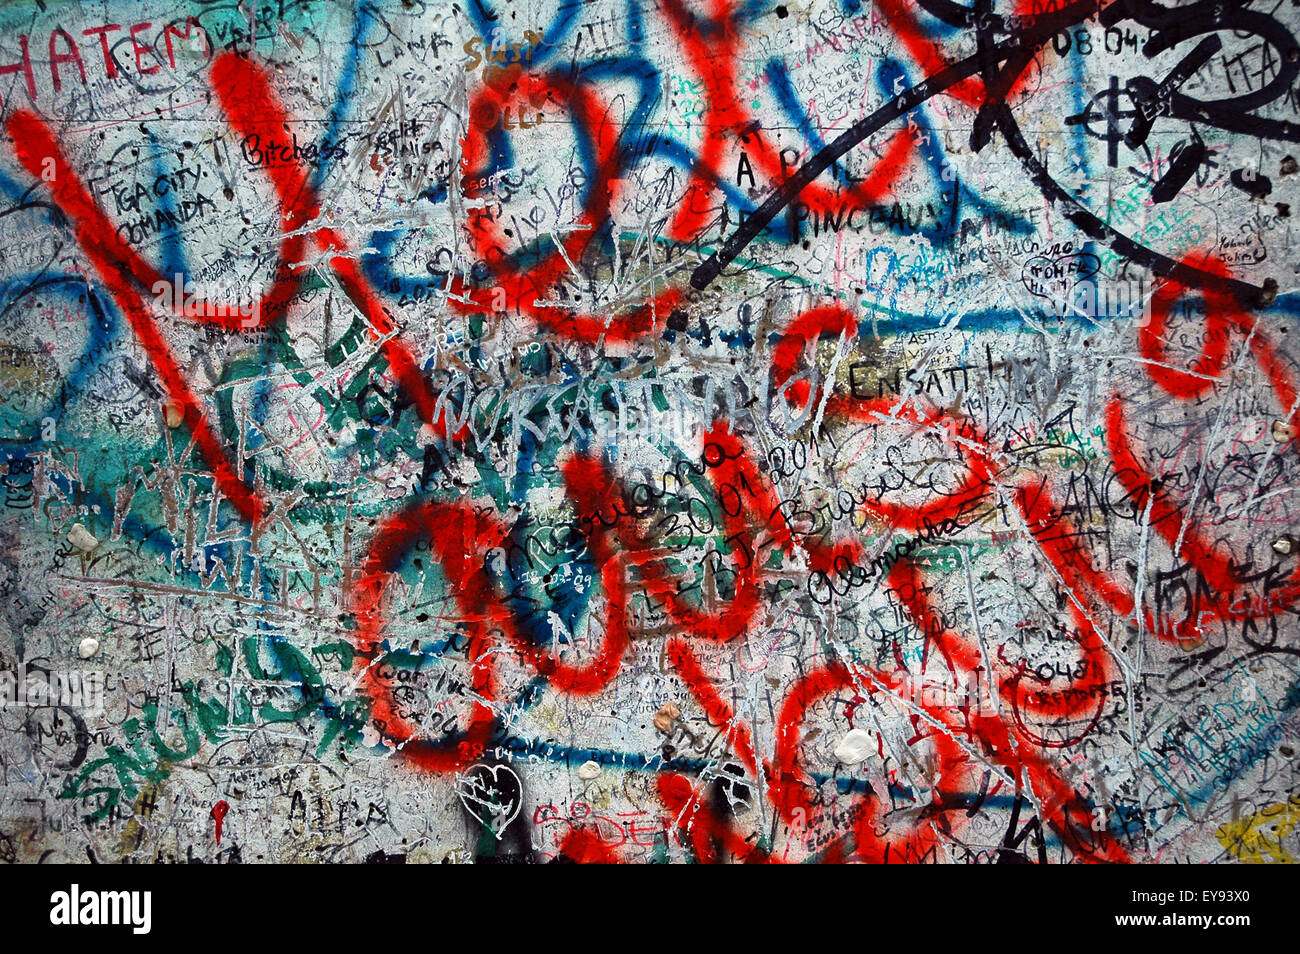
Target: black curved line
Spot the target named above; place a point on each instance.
(1250, 296)
(896, 108)
(1187, 275)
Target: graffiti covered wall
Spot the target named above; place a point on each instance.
(681, 430)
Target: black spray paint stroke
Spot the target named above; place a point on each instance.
(1032, 37)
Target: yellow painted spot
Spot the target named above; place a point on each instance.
(1258, 838)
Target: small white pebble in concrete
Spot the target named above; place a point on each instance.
(81, 538)
(854, 747)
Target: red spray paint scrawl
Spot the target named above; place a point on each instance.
(692, 432)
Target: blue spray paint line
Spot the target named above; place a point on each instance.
(892, 76)
(344, 94)
(101, 329)
(18, 193)
(754, 9)
(999, 319)
(635, 32)
(173, 257)
(778, 78)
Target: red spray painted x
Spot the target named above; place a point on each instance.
(251, 108)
